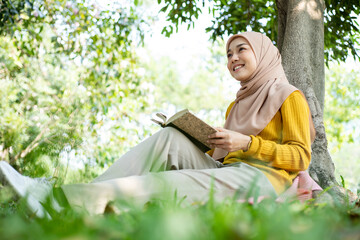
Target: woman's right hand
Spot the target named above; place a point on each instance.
(228, 140)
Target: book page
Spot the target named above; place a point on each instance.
(177, 115)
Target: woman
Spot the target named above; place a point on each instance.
(264, 144)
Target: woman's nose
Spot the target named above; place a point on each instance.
(234, 58)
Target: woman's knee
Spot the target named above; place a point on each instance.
(171, 132)
(175, 137)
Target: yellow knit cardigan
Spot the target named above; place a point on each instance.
(283, 147)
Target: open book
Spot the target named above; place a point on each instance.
(190, 125)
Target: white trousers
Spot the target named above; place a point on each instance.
(165, 163)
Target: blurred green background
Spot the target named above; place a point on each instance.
(80, 81)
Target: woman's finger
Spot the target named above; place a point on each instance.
(216, 141)
(222, 146)
(217, 135)
(220, 129)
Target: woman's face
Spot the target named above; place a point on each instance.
(241, 59)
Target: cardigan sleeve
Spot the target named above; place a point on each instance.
(293, 151)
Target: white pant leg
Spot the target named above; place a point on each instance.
(193, 184)
(168, 149)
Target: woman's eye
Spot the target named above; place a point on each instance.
(241, 49)
(229, 55)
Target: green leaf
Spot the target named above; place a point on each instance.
(342, 182)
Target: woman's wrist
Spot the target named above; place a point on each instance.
(248, 145)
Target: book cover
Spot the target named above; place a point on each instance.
(190, 125)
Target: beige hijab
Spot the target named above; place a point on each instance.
(262, 95)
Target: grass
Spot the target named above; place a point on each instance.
(173, 220)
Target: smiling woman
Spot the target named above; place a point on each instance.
(273, 113)
(241, 59)
(263, 146)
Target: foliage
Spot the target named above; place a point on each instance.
(205, 90)
(346, 160)
(10, 13)
(171, 220)
(229, 17)
(341, 32)
(41, 112)
(342, 102)
(69, 76)
(341, 119)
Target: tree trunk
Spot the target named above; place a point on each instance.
(301, 43)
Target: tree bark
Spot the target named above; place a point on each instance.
(301, 43)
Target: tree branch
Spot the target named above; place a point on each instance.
(31, 146)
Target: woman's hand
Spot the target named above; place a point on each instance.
(229, 140)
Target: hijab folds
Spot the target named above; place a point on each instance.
(260, 97)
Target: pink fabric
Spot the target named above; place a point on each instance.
(302, 188)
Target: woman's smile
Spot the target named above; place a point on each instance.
(237, 67)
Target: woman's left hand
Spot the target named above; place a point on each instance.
(229, 140)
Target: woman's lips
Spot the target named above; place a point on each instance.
(237, 67)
